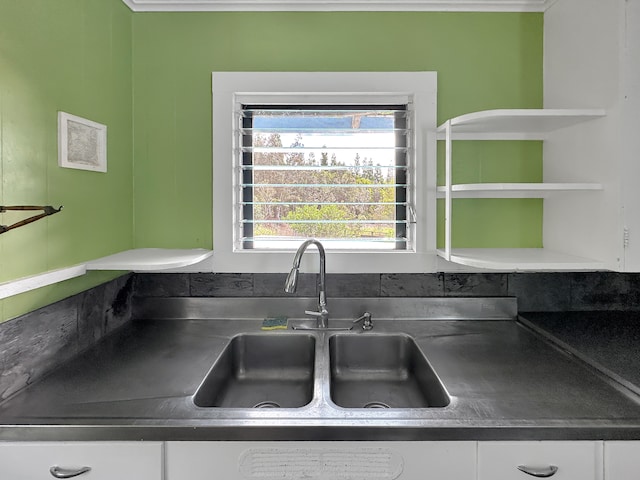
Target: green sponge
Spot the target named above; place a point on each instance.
(275, 323)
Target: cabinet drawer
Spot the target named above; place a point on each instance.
(108, 461)
(621, 460)
(573, 460)
(320, 460)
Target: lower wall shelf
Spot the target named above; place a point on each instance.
(520, 259)
(25, 284)
(139, 260)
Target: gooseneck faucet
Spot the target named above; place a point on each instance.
(322, 315)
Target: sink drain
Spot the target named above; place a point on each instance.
(376, 405)
(266, 404)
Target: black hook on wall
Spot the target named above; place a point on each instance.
(46, 211)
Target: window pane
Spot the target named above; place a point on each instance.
(336, 174)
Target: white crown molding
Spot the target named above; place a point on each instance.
(339, 5)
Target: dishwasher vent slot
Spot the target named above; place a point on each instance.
(321, 464)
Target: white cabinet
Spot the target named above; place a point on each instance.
(320, 460)
(621, 460)
(98, 460)
(557, 460)
(519, 124)
(330, 460)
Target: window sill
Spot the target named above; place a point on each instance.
(395, 261)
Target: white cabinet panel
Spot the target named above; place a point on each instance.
(320, 460)
(107, 461)
(621, 460)
(573, 460)
(630, 123)
(583, 69)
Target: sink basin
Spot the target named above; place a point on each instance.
(261, 371)
(382, 371)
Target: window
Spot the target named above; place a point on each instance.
(347, 158)
(336, 172)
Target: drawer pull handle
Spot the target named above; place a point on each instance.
(544, 472)
(68, 473)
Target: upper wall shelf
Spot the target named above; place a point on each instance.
(515, 124)
(150, 259)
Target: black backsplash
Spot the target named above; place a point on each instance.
(541, 292)
(36, 343)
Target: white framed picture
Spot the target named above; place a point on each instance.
(82, 143)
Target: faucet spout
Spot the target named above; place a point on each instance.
(291, 282)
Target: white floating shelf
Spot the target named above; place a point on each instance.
(150, 259)
(139, 260)
(515, 124)
(514, 190)
(26, 284)
(521, 259)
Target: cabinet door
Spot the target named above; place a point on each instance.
(530, 460)
(320, 460)
(621, 460)
(107, 461)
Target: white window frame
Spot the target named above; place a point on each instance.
(231, 87)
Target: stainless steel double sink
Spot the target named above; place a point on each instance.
(287, 369)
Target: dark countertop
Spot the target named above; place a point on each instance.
(506, 382)
(609, 341)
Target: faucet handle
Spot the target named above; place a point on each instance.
(322, 317)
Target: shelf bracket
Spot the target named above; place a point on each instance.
(46, 211)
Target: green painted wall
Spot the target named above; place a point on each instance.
(74, 56)
(483, 60)
(148, 77)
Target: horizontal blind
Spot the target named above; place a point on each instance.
(337, 173)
